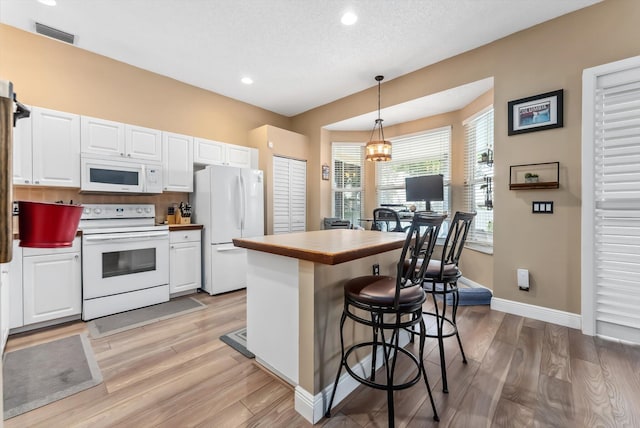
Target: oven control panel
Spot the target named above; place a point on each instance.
(114, 211)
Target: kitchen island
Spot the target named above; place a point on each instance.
(295, 299)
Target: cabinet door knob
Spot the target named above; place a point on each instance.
(172, 247)
(186, 236)
(129, 154)
(37, 182)
(77, 257)
(121, 154)
(26, 181)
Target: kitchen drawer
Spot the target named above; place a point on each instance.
(28, 251)
(184, 236)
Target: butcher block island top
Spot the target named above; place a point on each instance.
(330, 247)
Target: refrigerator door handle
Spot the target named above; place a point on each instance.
(225, 249)
(242, 203)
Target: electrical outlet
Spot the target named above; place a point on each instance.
(376, 269)
(16, 210)
(523, 279)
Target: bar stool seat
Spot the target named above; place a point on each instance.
(390, 305)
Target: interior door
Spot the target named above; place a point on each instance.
(611, 200)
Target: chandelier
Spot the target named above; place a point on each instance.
(378, 149)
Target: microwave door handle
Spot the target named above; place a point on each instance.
(143, 174)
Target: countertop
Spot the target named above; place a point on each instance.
(329, 247)
(173, 227)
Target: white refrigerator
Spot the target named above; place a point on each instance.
(229, 203)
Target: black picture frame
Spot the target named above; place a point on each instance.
(536, 113)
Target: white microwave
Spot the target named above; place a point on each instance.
(121, 176)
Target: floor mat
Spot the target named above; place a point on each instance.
(117, 323)
(238, 341)
(40, 374)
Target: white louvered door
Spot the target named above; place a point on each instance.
(289, 195)
(611, 213)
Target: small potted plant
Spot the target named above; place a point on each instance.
(530, 177)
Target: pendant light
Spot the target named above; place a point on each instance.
(378, 149)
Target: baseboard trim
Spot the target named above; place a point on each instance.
(553, 316)
(471, 284)
(313, 407)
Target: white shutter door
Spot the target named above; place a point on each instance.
(289, 195)
(298, 195)
(281, 206)
(617, 205)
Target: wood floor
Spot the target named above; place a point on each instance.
(177, 373)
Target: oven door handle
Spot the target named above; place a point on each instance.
(141, 236)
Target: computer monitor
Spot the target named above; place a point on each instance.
(424, 188)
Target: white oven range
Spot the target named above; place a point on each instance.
(125, 259)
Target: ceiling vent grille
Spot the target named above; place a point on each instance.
(54, 33)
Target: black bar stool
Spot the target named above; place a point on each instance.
(392, 305)
(441, 281)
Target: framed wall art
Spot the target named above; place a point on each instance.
(536, 113)
(325, 171)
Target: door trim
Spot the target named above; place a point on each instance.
(589, 81)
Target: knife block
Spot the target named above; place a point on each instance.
(182, 220)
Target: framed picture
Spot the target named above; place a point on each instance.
(325, 172)
(535, 113)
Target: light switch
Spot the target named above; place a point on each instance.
(542, 207)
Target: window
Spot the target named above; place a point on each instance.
(423, 154)
(478, 186)
(347, 161)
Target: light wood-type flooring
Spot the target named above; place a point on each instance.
(177, 373)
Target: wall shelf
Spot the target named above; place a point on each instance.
(534, 176)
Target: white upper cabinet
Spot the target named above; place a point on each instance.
(209, 152)
(143, 143)
(115, 139)
(177, 165)
(102, 137)
(55, 148)
(238, 156)
(22, 162)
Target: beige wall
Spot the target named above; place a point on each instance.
(543, 58)
(273, 141)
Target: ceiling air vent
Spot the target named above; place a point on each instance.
(54, 33)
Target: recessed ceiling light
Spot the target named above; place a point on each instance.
(247, 80)
(349, 18)
(48, 2)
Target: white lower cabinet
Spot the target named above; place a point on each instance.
(51, 283)
(185, 261)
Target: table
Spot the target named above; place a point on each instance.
(295, 299)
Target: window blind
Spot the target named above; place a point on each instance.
(413, 156)
(617, 207)
(289, 195)
(347, 161)
(478, 185)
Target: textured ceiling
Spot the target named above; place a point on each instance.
(297, 52)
